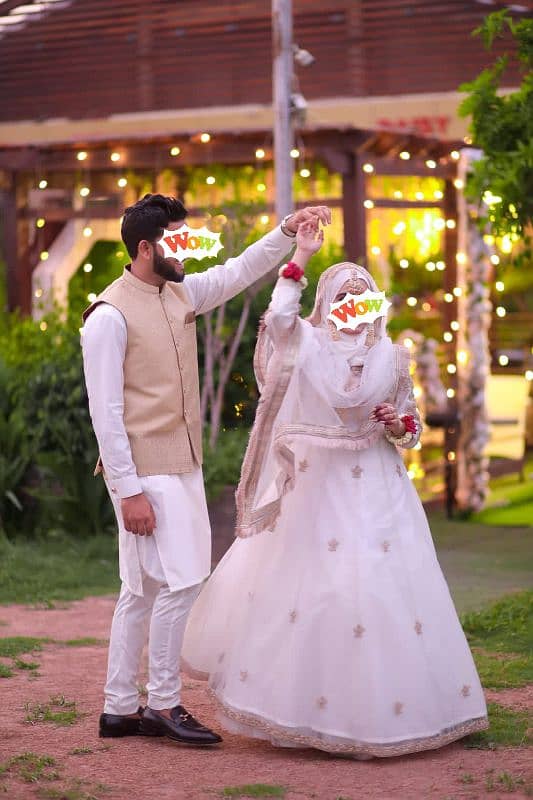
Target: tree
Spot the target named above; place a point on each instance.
(501, 181)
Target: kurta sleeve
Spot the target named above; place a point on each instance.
(282, 313)
(405, 403)
(216, 285)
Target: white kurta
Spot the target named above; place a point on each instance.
(179, 552)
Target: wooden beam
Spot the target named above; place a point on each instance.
(353, 212)
(9, 241)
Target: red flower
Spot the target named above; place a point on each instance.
(293, 271)
(409, 422)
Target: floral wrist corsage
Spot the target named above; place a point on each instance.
(293, 272)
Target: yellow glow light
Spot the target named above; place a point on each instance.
(41, 222)
(82, 155)
(205, 138)
(404, 263)
(454, 325)
(506, 245)
(368, 168)
(431, 164)
(529, 374)
(260, 153)
(495, 259)
(447, 336)
(451, 456)
(397, 194)
(450, 392)
(417, 391)
(426, 306)
(399, 228)
(87, 267)
(448, 297)
(441, 265)
(419, 195)
(264, 219)
(450, 223)
(439, 224)
(430, 266)
(294, 152)
(210, 180)
(87, 231)
(43, 184)
(368, 204)
(451, 368)
(405, 156)
(375, 250)
(459, 184)
(305, 173)
(261, 187)
(115, 156)
(43, 326)
(457, 291)
(122, 182)
(175, 151)
(85, 191)
(488, 238)
(411, 301)
(438, 195)
(455, 155)
(503, 360)
(91, 297)
(44, 255)
(500, 286)
(501, 312)
(38, 293)
(408, 342)
(462, 356)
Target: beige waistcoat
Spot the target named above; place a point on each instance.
(161, 386)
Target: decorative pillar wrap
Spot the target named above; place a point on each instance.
(474, 317)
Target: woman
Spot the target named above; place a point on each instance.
(333, 628)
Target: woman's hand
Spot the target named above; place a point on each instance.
(308, 241)
(387, 414)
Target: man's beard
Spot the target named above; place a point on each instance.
(164, 268)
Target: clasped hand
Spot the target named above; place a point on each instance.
(387, 414)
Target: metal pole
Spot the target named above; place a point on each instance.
(281, 94)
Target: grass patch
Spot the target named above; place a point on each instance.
(58, 710)
(81, 751)
(505, 627)
(13, 646)
(254, 790)
(498, 671)
(87, 641)
(5, 671)
(510, 500)
(49, 570)
(507, 728)
(31, 767)
(505, 782)
(74, 792)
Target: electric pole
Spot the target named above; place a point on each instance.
(282, 72)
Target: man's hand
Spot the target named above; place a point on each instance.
(138, 515)
(308, 214)
(386, 413)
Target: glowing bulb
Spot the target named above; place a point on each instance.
(91, 297)
(447, 336)
(398, 194)
(430, 266)
(459, 184)
(457, 291)
(41, 222)
(87, 231)
(455, 155)
(454, 325)
(294, 152)
(261, 187)
(368, 168)
(408, 342)
(450, 223)
(260, 153)
(305, 173)
(494, 259)
(175, 151)
(399, 228)
(375, 250)
(451, 368)
(448, 297)
(426, 306)
(122, 182)
(431, 164)
(450, 392)
(529, 374)
(419, 195)
(503, 360)
(462, 356)
(404, 263)
(44, 255)
(87, 267)
(438, 195)
(38, 293)
(506, 245)
(85, 191)
(368, 204)
(500, 286)
(264, 219)
(411, 301)
(500, 311)
(205, 138)
(211, 180)
(82, 155)
(43, 184)
(115, 156)
(405, 156)
(43, 326)
(451, 456)
(439, 224)
(417, 391)
(440, 265)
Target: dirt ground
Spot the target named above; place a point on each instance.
(155, 769)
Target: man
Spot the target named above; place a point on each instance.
(141, 371)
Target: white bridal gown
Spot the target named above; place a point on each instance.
(336, 630)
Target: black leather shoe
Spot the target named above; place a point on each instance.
(182, 727)
(114, 725)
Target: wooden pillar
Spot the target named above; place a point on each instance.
(353, 211)
(9, 241)
(451, 430)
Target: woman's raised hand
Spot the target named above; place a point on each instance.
(309, 238)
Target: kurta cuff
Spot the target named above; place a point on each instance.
(125, 487)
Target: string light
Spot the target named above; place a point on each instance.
(82, 155)
(205, 138)
(305, 173)
(261, 187)
(457, 291)
(500, 286)
(87, 231)
(87, 267)
(408, 342)
(503, 360)
(43, 184)
(451, 455)
(399, 228)
(494, 259)
(501, 312)
(375, 250)
(397, 194)
(467, 139)
(451, 368)
(368, 168)
(91, 297)
(454, 325)
(264, 219)
(260, 153)
(175, 151)
(450, 223)
(491, 199)
(419, 195)
(462, 356)
(438, 195)
(368, 204)
(411, 301)
(44, 255)
(295, 153)
(448, 297)
(458, 183)
(430, 266)
(85, 191)
(455, 155)
(426, 306)
(211, 180)
(450, 393)
(431, 164)
(439, 224)
(506, 245)
(405, 156)
(43, 325)
(122, 182)
(41, 222)
(115, 156)
(447, 336)
(38, 293)
(417, 392)
(441, 265)
(529, 375)
(404, 263)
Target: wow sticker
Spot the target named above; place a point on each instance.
(190, 243)
(355, 309)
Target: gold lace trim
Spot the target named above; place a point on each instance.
(332, 744)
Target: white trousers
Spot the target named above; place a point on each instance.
(161, 615)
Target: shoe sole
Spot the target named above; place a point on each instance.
(105, 735)
(146, 732)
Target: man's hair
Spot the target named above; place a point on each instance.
(148, 218)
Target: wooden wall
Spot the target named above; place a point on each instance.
(95, 57)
